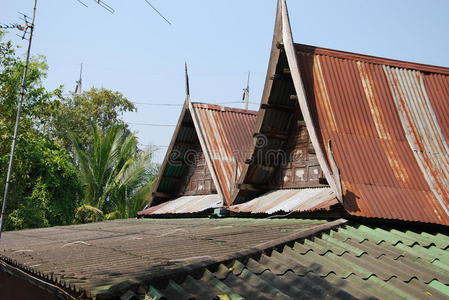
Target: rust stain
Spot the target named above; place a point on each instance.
(228, 135)
(437, 87)
(388, 122)
(426, 141)
(323, 94)
(380, 123)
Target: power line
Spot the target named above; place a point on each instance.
(156, 146)
(154, 8)
(180, 104)
(152, 124)
(157, 104)
(175, 104)
(82, 3)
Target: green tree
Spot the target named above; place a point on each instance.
(45, 189)
(74, 114)
(114, 173)
(11, 70)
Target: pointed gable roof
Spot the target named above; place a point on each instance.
(181, 156)
(379, 127)
(227, 134)
(206, 135)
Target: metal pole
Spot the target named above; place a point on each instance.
(246, 93)
(16, 128)
(187, 81)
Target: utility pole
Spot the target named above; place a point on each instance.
(19, 108)
(246, 93)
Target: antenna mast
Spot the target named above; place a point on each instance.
(19, 108)
(246, 93)
(79, 82)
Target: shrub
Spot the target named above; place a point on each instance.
(88, 214)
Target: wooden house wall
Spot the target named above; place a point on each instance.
(300, 167)
(198, 179)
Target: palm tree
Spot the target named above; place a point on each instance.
(114, 173)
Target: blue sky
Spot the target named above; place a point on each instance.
(135, 52)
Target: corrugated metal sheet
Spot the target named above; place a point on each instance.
(387, 133)
(212, 141)
(104, 257)
(352, 262)
(308, 199)
(184, 204)
(388, 122)
(228, 134)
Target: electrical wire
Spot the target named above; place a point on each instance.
(155, 146)
(158, 12)
(176, 104)
(179, 104)
(152, 124)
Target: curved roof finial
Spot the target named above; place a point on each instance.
(187, 82)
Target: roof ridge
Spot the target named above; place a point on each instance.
(222, 108)
(373, 59)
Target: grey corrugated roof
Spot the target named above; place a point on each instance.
(94, 258)
(351, 262)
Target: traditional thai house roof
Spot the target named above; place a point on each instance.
(369, 133)
(374, 131)
(204, 159)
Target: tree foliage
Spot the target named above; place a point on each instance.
(114, 173)
(45, 188)
(47, 184)
(75, 113)
(88, 214)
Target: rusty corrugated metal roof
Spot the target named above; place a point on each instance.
(184, 204)
(286, 200)
(387, 134)
(227, 133)
(387, 121)
(214, 135)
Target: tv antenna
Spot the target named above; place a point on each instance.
(245, 97)
(101, 3)
(24, 28)
(111, 10)
(27, 27)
